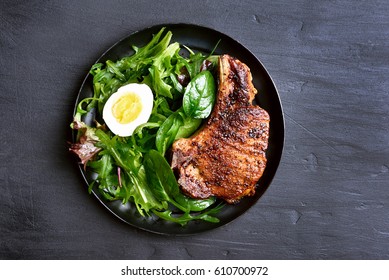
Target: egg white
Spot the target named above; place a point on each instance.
(145, 95)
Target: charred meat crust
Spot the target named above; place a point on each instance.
(227, 156)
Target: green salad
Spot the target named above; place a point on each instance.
(130, 163)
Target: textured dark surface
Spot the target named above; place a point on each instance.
(329, 199)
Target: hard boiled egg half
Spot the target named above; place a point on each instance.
(127, 108)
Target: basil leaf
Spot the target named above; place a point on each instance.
(199, 96)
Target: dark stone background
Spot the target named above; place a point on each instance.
(329, 198)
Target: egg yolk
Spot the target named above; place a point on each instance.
(127, 108)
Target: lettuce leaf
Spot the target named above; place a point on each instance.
(133, 169)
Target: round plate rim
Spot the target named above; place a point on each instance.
(280, 140)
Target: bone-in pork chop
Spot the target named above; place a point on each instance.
(227, 156)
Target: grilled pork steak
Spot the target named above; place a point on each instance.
(226, 157)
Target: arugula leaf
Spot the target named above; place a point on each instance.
(176, 84)
(134, 183)
(106, 178)
(134, 68)
(193, 64)
(158, 84)
(186, 217)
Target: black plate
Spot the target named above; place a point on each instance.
(201, 39)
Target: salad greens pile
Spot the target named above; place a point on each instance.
(134, 169)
